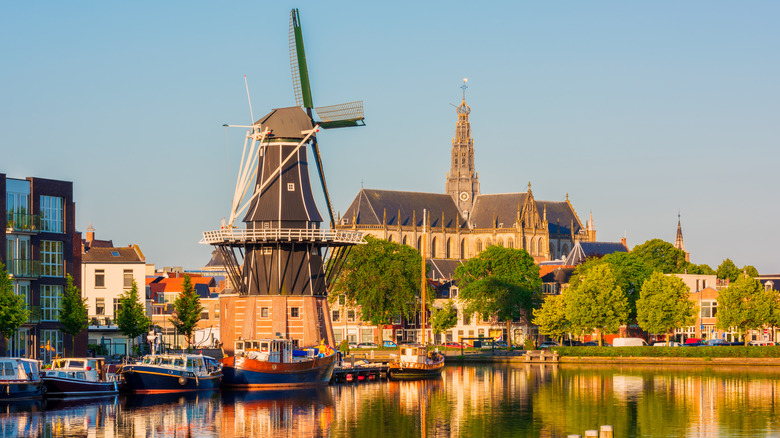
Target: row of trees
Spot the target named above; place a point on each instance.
(131, 318)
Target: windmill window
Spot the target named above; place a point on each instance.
(295, 312)
(264, 312)
(268, 250)
(290, 187)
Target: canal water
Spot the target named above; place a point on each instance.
(512, 400)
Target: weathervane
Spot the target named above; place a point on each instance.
(464, 86)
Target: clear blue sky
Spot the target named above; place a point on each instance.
(635, 109)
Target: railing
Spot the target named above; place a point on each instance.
(100, 320)
(23, 222)
(228, 235)
(24, 268)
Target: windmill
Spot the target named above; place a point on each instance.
(279, 255)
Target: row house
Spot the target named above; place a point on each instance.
(42, 247)
(165, 288)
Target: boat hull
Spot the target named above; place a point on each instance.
(245, 373)
(21, 390)
(63, 387)
(144, 379)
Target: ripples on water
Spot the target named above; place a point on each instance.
(469, 401)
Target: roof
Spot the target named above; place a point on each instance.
(112, 255)
(216, 260)
(584, 250)
(443, 268)
(286, 122)
(560, 275)
(501, 208)
(95, 243)
(406, 208)
(177, 284)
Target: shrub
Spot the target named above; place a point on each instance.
(706, 352)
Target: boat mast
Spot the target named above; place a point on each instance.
(422, 282)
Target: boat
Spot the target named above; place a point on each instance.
(79, 377)
(415, 362)
(275, 364)
(161, 373)
(20, 378)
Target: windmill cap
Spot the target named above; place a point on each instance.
(286, 122)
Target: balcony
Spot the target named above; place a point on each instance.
(96, 321)
(24, 269)
(22, 223)
(35, 314)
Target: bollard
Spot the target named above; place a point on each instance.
(591, 434)
(606, 432)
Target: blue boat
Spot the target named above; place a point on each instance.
(172, 373)
(20, 379)
(274, 364)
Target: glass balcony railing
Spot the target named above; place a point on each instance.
(24, 268)
(30, 223)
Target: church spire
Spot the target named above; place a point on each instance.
(462, 179)
(678, 241)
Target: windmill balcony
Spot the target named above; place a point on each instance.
(236, 235)
(24, 268)
(22, 223)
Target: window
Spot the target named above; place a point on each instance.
(117, 306)
(264, 312)
(295, 312)
(709, 309)
(290, 187)
(350, 315)
(454, 292)
(216, 313)
(128, 278)
(51, 258)
(51, 343)
(338, 335)
(50, 302)
(397, 320)
(366, 335)
(100, 278)
(100, 306)
(335, 315)
(51, 214)
(204, 314)
(268, 250)
(466, 319)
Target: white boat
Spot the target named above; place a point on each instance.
(20, 378)
(416, 362)
(78, 377)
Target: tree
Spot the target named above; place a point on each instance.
(445, 318)
(383, 278)
(597, 302)
(664, 305)
(500, 281)
(551, 317)
(744, 306)
(74, 312)
(13, 309)
(188, 310)
(661, 256)
(131, 318)
(702, 269)
(750, 271)
(727, 270)
(629, 269)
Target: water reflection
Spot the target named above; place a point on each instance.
(506, 400)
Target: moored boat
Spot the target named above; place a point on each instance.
(416, 362)
(275, 364)
(172, 373)
(79, 377)
(20, 378)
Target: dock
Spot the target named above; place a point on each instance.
(360, 368)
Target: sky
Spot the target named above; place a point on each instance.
(636, 110)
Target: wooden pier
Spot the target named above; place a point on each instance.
(360, 370)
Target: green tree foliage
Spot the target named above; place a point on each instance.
(744, 306)
(131, 318)
(13, 309)
(750, 271)
(551, 317)
(702, 269)
(629, 269)
(384, 279)
(597, 302)
(661, 256)
(74, 312)
(727, 270)
(445, 318)
(500, 281)
(188, 310)
(664, 305)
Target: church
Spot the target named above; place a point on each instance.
(461, 222)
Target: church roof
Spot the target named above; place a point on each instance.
(443, 268)
(370, 206)
(583, 250)
(503, 208)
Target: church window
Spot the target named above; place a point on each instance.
(488, 242)
(479, 246)
(463, 248)
(463, 161)
(449, 249)
(500, 242)
(510, 243)
(433, 248)
(390, 238)
(565, 249)
(418, 243)
(404, 241)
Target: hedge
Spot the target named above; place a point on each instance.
(729, 351)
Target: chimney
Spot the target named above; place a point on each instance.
(624, 242)
(90, 233)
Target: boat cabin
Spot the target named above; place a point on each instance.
(16, 369)
(92, 369)
(196, 363)
(413, 354)
(266, 350)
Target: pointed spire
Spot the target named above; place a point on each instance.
(678, 241)
(590, 221)
(529, 186)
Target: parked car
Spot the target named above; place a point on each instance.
(500, 344)
(353, 345)
(454, 345)
(761, 343)
(547, 344)
(717, 342)
(571, 343)
(629, 342)
(590, 344)
(693, 341)
(663, 344)
(367, 345)
(389, 344)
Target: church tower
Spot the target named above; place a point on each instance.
(462, 179)
(678, 241)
